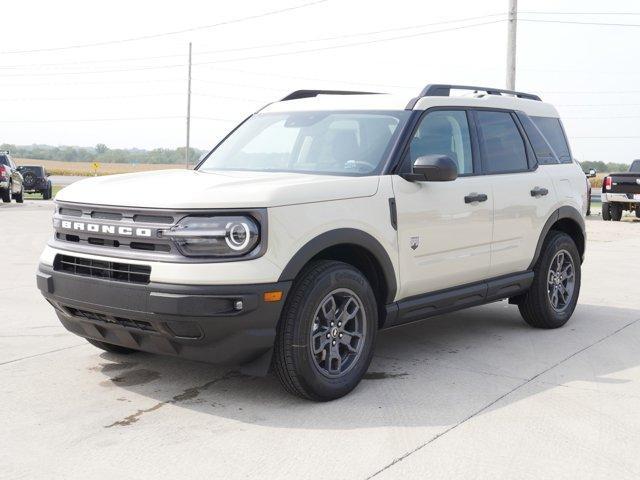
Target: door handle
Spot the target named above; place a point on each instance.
(475, 197)
(539, 192)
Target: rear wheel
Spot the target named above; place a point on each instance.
(616, 212)
(326, 333)
(553, 295)
(109, 347)
(606, 212)
(46, 194)
(638, 211)
(6, 194)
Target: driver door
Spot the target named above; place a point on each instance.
(444, 228)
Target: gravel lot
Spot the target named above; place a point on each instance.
(474, 394)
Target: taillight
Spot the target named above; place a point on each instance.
(3, 171)
(607, 183)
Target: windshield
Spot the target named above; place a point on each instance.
(342, 143)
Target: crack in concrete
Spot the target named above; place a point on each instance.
(41, 354)
(188, 394)
(493, 402)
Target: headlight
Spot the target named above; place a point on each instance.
(219, 236)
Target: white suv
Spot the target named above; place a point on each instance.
(319, 220)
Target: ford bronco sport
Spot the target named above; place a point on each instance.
(320, 220)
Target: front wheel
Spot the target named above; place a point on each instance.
(46, 194)
(553, 295)
(327, 331)
(637, 211)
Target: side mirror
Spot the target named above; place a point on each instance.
(592, 173)
(435, 168)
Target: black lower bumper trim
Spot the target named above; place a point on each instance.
(229, 325)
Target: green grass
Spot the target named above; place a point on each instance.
(37, 196)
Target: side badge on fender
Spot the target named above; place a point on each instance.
(414, 242)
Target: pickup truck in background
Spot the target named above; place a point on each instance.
(620, 192)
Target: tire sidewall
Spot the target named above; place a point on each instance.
(340, 276)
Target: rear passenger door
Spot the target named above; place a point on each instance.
(523, 193)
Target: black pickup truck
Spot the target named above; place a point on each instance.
(621, 191)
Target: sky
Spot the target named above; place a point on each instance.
(132, 93)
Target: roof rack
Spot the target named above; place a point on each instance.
(314, 93)
(443, 90)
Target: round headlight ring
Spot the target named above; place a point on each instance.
(238, 236)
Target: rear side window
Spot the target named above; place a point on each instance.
(635, 166)
(4, 160)
(501, 144)
(543, 151)
(552, 131)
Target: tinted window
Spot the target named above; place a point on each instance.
(4, 160)
(543, 151)
(444, 133)
(501, 143)
(635, 166)
(552, 130)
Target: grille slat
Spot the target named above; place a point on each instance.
(121, 272)
(100, 317)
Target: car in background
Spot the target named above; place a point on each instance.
(36, 180)
(10, 179)
(590, 174)
(621, 191)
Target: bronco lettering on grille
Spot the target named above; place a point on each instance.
(108, 229)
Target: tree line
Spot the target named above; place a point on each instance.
(101, 153)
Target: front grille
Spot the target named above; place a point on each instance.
(121, 272)
(100, 317)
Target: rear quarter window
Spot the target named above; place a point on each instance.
(552, 130)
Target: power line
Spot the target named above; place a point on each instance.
(568, 22)
(346, 45)
(165, 34)
(121, 119)
(272, 45)
(116, 97)
(581, 13)
(296, 52)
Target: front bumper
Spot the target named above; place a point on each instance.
(200, 323)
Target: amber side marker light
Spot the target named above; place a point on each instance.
(272, 296)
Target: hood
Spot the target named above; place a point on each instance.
(177, 189)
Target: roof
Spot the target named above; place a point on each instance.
(364, 101)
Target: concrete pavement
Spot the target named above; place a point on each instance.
(474, 394)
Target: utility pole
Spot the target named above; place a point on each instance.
(186, 154)
(512, 23)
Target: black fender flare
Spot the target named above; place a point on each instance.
(342, 236)
(563, 212)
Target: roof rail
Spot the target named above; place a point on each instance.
(314, 93)
(443, 90)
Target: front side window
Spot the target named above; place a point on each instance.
(552, 131)
(339, 143)
(501, 144)
(444, 132)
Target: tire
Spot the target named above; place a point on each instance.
(326, 375)
(616, 212)
(46, 194)
(637, 211)
(20, 196)
(606, 211)
(6, 195)
(536, 307)
(109, 347)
